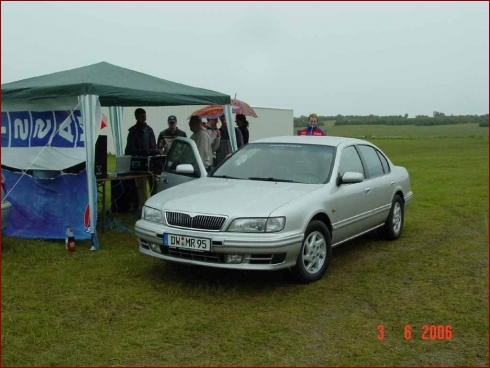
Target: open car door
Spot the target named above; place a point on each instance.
(183, 164)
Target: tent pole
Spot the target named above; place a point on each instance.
(230, 126)
(115, 114)
(91, 117)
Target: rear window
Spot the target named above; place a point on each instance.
(373, 163)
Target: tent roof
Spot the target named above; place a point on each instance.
(114, 85)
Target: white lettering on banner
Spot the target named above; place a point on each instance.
(21, 128)
(51, 138)
(53, 132)
(42, 128)
(10, 130)
(55, 128)
(31, 127)
(65, 130)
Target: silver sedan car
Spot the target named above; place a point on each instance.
(277, 203)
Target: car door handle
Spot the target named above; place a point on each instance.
(393, 183)
(367, 190)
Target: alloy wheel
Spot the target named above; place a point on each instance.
(397, 218)
(314, 252)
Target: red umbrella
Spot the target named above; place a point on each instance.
(212, 111)
(243, 109)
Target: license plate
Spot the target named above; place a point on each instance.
(186, 242)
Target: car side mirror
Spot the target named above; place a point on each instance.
(184, 169)
(350, 178)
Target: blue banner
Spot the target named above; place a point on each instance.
(63, 129)
(42, 208)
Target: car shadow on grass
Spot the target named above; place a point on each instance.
(190, 275)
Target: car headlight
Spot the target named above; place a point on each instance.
(152, 214)
(275, 224)
(257, 225)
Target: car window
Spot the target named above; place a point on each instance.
(246, 158)
(384, 162)
(373, 163)
(181, 153)
(350, 161)
(300, 163)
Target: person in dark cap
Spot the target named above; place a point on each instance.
(167, 136)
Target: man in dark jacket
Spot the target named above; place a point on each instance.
(141, 138)
(172, 130)
(166, 137)
(242, 123)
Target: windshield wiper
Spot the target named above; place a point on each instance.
(271, 179)
(225, 177)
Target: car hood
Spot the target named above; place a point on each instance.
(229, 197)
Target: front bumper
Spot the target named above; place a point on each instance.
(272, 251)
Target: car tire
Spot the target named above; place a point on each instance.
(392, 229)
(315, 253)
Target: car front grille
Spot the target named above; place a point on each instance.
(201, 222)
(208, 257)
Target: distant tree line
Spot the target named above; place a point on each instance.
(437, 118)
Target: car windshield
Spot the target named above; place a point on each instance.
(284, 162)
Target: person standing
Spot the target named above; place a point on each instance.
(141, 140)
(224, 149)
(242, 123)
(312, 128)
(166, 136)
(215, 135)
(203, 141)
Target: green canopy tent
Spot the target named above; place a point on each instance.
(114, 87)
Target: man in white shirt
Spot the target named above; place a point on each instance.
(203, 141)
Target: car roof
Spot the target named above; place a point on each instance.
(318, 140)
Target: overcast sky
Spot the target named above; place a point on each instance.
(331, 58)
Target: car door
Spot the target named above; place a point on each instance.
(183, 152)
(379, 181)
(353, 204)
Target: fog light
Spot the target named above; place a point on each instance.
(234, 258)
(156, 248)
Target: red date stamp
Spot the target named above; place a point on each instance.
(427, 332)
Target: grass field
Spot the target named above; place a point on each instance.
(402, 131)
(118, 307)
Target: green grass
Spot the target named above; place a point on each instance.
(402, 131)
(119, 307)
